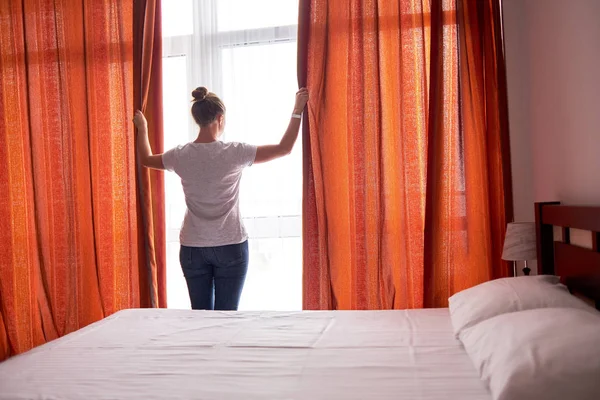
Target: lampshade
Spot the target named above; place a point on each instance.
(519, 243)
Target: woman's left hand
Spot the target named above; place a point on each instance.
(139, 120)
(301, 100)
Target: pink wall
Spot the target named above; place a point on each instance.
(517, 70)
(553, 72)
(553, 68)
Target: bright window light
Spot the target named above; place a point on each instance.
(176, 119)
(237, 15)
(254, 71)
(259, 92)
(177, 18)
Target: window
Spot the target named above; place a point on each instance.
(177, 18)
(176, 124)
(244, 15)
(248, 57)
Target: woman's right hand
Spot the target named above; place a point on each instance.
(139, 120)
(301, 100)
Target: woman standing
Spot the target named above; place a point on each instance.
(214, 242)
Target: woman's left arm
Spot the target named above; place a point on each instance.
(147, 159)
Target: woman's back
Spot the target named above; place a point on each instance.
(214, 246)
(210, 175)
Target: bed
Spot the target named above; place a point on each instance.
(181, 354)
(558, 253)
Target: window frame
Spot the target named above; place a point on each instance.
(213, 43)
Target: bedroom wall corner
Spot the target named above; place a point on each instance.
(517, 67)
(552, 61)
(565, 99)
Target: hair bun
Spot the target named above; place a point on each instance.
(200, 93)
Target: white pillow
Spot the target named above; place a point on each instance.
(505, 295)
(546, 354)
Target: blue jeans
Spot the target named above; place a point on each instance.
(215, 276)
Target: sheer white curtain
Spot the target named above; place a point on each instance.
(245, 51)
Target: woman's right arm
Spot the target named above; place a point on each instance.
(147, 159)
(285, 146)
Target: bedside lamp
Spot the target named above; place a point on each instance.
(519, 243)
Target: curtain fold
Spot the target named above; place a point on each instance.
(407, 184)
(147, 89)
(480, 186)
(68, 209)
(315, 274)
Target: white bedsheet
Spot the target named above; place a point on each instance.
(180, 354)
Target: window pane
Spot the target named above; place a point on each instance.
(177, 18)
(259, 86)
(274, 279)
(176, 131)
(236, 15)
(176, 101)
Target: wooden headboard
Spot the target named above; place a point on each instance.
(578, 267)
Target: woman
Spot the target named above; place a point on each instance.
(214, 242)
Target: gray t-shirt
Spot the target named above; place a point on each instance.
(210, 175)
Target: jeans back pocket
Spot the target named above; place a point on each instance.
(232, 254)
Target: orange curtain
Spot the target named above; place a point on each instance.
(147, 72)
(407, 185)
(69, 252)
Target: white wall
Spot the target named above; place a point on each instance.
(517, 71)
(553, 72)
(553, 76)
